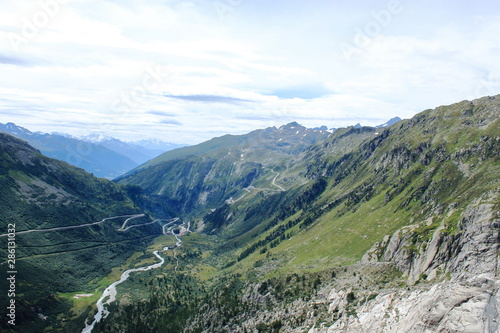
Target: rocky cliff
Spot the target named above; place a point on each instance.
(470, 250)
(467, 302)
(460, 305)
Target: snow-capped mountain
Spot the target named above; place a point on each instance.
(96, 137)
(390, 122)
(66, 135)
(138, 151)
(13, 129)
(93, 157)
(99, 147)
(157, 145)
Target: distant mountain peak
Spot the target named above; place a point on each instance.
(292, 126)
(66, 135)
(153, 141)
(96, 137)
(156, 144)
(14, 129)
(390, 122)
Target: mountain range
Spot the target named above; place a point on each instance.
(102, 155)
(359, 229)
(105, 157)
(205, 176)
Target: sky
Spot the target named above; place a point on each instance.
(185, 71)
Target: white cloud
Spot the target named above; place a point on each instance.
(109, 64)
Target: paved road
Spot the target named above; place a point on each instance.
(76, 226)
(231, 201)
(274, 181)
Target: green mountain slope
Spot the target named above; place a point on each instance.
(418, 170)
(195, 179)
(38, 193)
(373, 219)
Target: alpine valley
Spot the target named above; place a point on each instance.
(289, 229)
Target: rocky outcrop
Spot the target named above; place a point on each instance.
(469, 248)
(478, 249)
(467, 261)
(461, 305)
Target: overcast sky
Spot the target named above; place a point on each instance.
(185, 71)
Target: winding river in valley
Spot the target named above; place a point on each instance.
(109, 293)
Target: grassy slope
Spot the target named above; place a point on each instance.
(414, 170)
(38, 193)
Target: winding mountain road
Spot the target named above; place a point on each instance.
(274, 181)
(122, 228)
(232, 201)
(109, 293)
(81, 225)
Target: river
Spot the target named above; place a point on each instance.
(110, 291)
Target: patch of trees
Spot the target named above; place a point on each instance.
(281, 233)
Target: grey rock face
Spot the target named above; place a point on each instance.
(462, 305)
(472, 250)
(469, 302)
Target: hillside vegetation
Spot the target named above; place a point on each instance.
(39, 193)
(366, 213)
(292, 230)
